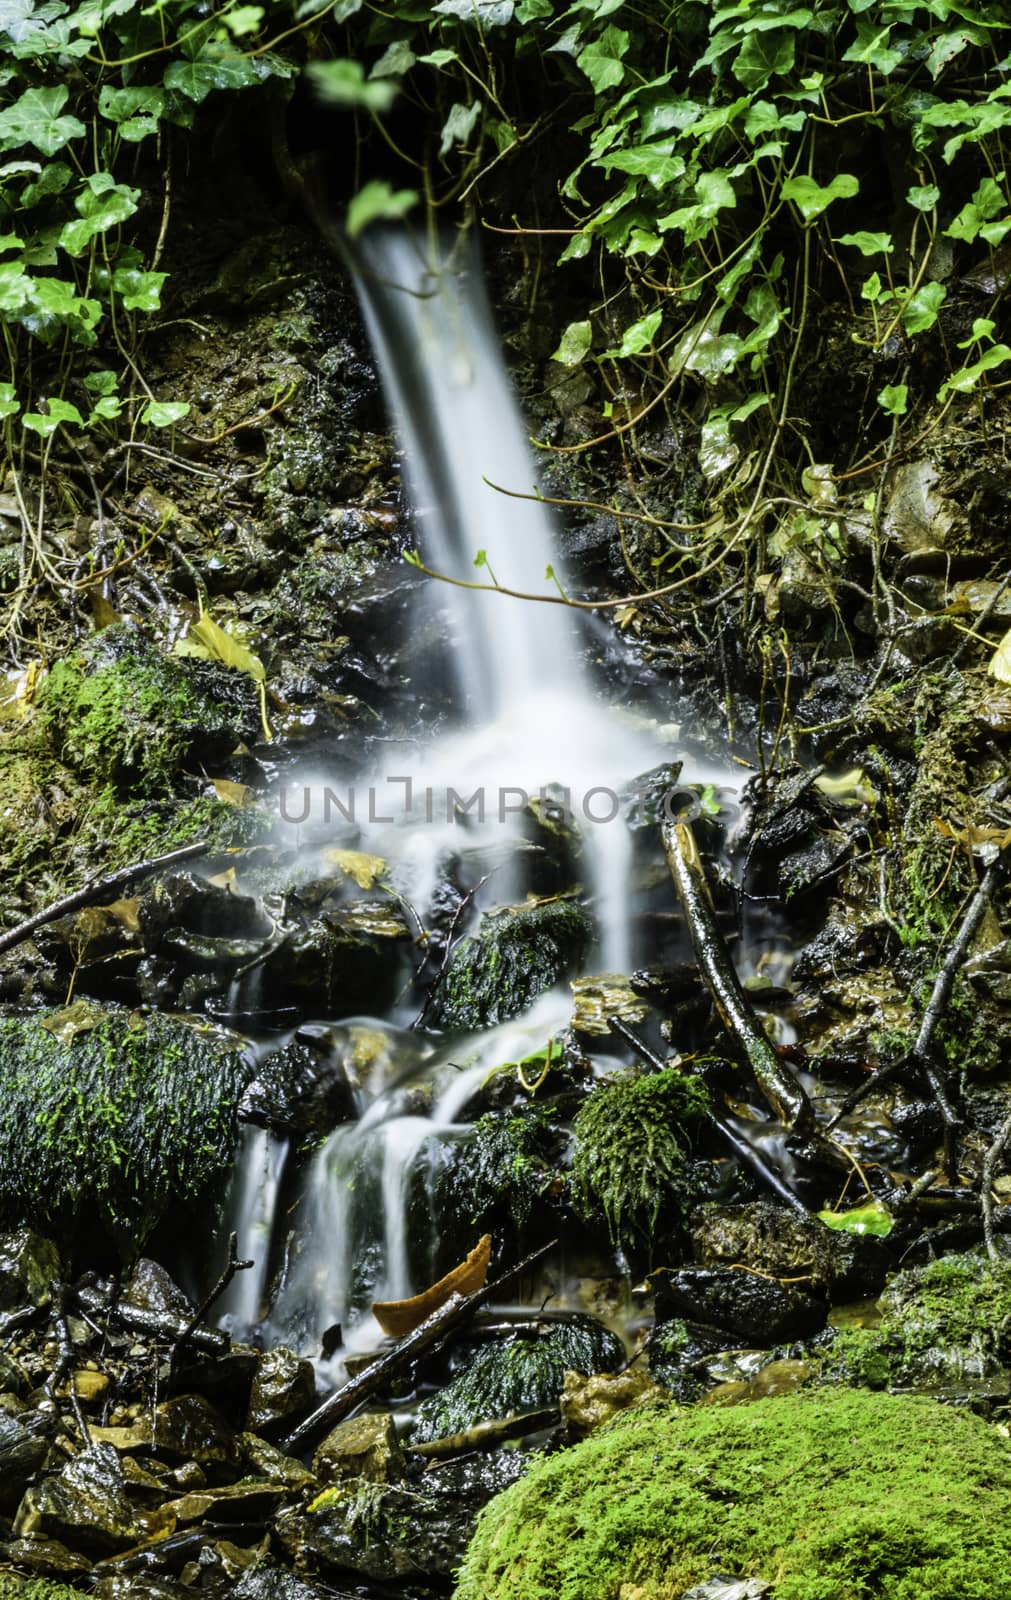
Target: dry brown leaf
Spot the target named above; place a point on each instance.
(225, 880)
(233, 794)
(356, 864)
(400, 1317)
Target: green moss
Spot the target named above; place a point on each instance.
(504, 1379)
(13, 1587)
(517, 953)
(836, 1495)
(631, 1159)
(122, 712)
(863, 1357)
(952, 1318)
(129, 1116)
(496, 1181)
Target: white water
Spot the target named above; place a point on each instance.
(528, 719)
(251, 1208)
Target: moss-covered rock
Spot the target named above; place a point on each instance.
(503, 1380)
(829, 1496)
(517, 953)
(107, 1116)
(952, 1319)
(631, 1164)
(13, 1587)
(123, 712)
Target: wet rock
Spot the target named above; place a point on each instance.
(366, 1447)
(949, 1325)
(725, 1588)
(226, 1380)
(393, 1532)
(184, 1429)
(47, 1558)
(153, 1289)
(299, 1090)
(525, 1373)
(774, 1379)
(607, 995)
(753, 1307)
(201, 924)
(112, 1121)
(86, 1506)
(249, 1501)
(283, 1390)
(588, 1403)
(29, 1265)
(273, 1583)
(990, 972)
(918, 515)
(517, 953)
(24, 1446)
(783, 1245)
(123, 712)
(270, 1463)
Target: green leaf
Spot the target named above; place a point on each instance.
(119, 105)
(601, 60)
(141, 291)
(459, 125)
(242, 21)
(811, 199)
(164, 413)
(439, 58)
(640, 334)
(574, 344)
(967, 378)
(869, 244)
(873, 47)
(104, 382)
(874, 1219)
(343, 83)
(395, 60)
(107, 408)
(893, 399)
(920, 311)
(15, 287)
(10, 405)
(985, 203)
(100, 208)
(57, 412)
(212, 69)
(923, 197)
(53, 179)
(35, 119)
(763, 56)
(483, 13)
(378, 202)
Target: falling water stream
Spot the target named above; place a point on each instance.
(528, 718)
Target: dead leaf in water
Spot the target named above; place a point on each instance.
(356, 864)
(82, 1017)
(233, 794)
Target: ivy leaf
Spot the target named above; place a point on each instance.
(343, 83)
(923, 197)
(869, 244)
(104, 382)
(213, 69)
(485, 13)
(920, 311)
(15, 287)
(949, 45)
(53, 179)
(395, 60)
(966, 378)
(119, 105)
(164, 413)
(141, 291)
(763, 56)
(574, 344)
(35, 119)
(602, 59)
(242, 21)
(985, 203)
(894, 399)
(378, 202)
(811, 199)
(99, 211)
(106, 409)
(10, 405)
(459, 125)
(640, 334)
(57, 412)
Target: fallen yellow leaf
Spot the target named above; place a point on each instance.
(356, 864)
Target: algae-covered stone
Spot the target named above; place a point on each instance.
(114, 1118)
(517, 953)
(123, 712)
(364, 1447)
(13, 1587)
(284, 1388)
(830, 1495)
(587, 1403)
(632, 1158)
(949, 1324)
(502, 1380)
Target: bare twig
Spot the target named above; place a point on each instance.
(231, 1267)
(98, 890)
(990, 1161)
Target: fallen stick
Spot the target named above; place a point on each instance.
(160, 1324)
(989, 1172)
(231, 1267)
(102, 888)
(784, 1094)
(457, 1309)
(744, 1152)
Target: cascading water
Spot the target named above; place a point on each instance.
(528, 719)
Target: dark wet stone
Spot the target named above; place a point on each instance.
(225, 1380)
(776, 1241)
(270, 1463)
(273, 1583)
(752, 1307)
(516, 954)
(299, 1091)
(86, 1506)
(45, 1557)
(29, 1264)
(24, 1445)
(283, 1390)
(153, 1289)
(391, 1533)
(183, 903)
(365, 1447)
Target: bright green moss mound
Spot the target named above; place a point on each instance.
(631, 1161)
(517, 953)
(15, 1588)
(115, 1124)
(837, 1495)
